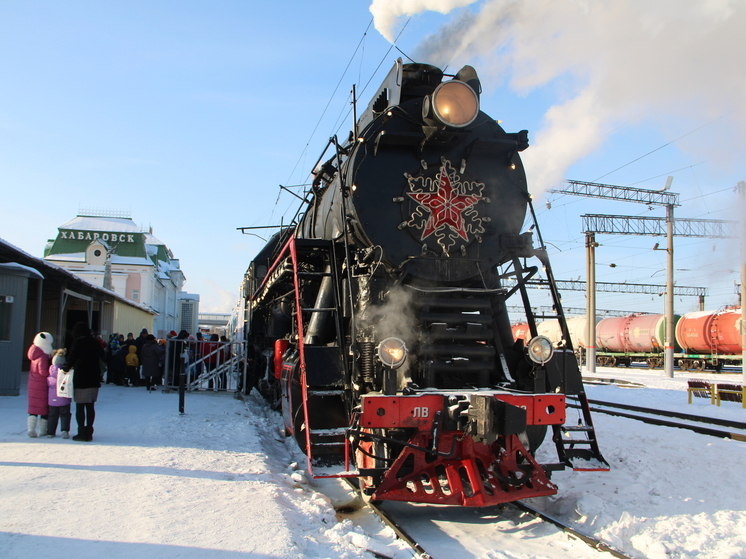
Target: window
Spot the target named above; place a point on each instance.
(135, 294)
(97, 253)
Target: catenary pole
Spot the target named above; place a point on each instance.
(590, 348)
(742, 222)
(668, 357)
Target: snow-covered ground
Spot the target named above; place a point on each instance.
(221, 482)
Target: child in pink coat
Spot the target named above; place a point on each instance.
(38, 402)
(59, 406)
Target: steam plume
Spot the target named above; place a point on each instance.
(617, 61)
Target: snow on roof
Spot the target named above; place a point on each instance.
(68, 257)
(115, 224)
(17, 266)
(131, 260)
(153, 240)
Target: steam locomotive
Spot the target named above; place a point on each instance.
(377, 321)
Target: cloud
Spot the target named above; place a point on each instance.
(611, 62)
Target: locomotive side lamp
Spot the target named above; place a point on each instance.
(539, 350)
(392, 352)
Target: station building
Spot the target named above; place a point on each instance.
(108, 249)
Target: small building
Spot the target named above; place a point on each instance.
(107, 248)
(39, 296)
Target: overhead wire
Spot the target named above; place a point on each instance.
(331, 98)
(339, 124)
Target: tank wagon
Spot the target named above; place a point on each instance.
(703, 340)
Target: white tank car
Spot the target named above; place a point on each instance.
(577, 326)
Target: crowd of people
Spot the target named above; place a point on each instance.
(135, 361)
(142, 361)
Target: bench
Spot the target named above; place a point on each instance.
(731, 393)
(701, 389)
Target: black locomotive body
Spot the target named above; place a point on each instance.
(378, 321)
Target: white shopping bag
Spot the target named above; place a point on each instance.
(65, 384)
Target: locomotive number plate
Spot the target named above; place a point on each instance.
(381, 412)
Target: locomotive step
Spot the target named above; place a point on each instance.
(574, 442)
(576, 428)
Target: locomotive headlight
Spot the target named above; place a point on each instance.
(392, 352)
(455, 104)
(540, 349)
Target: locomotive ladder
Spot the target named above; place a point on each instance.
(326, 445)
(577, 446)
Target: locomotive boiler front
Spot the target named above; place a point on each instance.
(433, 181)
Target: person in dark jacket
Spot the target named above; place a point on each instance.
(118, 367)
(84, 355)
(175, 348)
(151, 359)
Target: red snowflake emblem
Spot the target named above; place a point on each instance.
(446, 205)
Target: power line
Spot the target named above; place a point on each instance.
(663, 146)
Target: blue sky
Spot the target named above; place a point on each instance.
(190, 114)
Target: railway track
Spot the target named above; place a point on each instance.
(703, 425)
(406, 520)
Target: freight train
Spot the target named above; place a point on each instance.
(377, 320)
(703, 340)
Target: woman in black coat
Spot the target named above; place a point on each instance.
(84, 356)
(151, 359)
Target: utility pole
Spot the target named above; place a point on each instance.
(590, 305)
(742, 216)
(670, 335)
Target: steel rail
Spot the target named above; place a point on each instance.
(663, 423)
(389, 521)
(591, 541)
(401, 532)
(677, 415)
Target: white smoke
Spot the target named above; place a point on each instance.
(386, 12)
(615, 62)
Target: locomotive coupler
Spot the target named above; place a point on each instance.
(489, 418)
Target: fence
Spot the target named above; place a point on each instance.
(218, 366)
